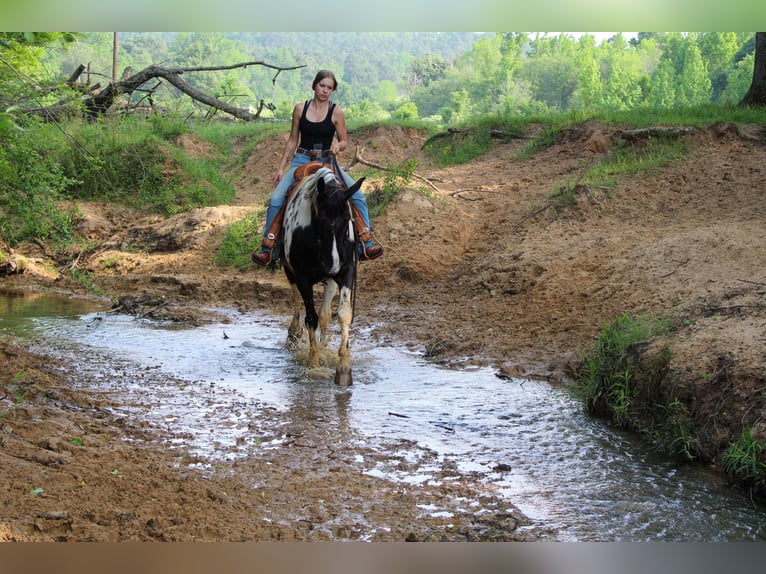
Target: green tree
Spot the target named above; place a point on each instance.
(553, 79)
(589, 92)
(695, 86)
(426, 69)
(718, 50)
(407, 111)
(662, 92)
(738, 81)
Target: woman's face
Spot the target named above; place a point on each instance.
(324, 89)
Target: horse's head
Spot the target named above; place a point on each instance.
(332, 195)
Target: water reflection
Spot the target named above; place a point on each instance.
(526, 438)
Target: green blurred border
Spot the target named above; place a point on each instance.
(384, 15)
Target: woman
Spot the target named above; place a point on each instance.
(315, 123)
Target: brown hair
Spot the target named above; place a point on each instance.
(321, 75)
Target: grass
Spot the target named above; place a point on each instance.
(619, 383)
(474, 138)
(240, 239)
(468, 141)
(743, 461)
(605, 380)
(632, 160)
(399, 176)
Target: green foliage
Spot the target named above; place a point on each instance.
(450, 77)
(605, 380)
(241, 238)
(138, 163)
(472, 140)
(743, 460)
(30, 186)
(398, 177)
(672, 431)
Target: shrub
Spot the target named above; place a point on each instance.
(239, 241)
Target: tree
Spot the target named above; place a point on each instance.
(756, 95)
(718, 49)
(662, 92)
(738, 81)
(694, 87)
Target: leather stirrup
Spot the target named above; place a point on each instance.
(365, 234)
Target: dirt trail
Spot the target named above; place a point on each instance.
(482, 271)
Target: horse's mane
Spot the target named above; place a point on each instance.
(310, 181)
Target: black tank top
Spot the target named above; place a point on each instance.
(313, 133)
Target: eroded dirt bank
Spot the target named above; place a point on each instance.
(479, 271)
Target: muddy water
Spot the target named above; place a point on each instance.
(528, 439)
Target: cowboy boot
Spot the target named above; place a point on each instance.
(371, 247)
(265, 257)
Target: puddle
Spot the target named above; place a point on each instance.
(528, 439)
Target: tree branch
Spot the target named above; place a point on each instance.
(97, 104)
(359, 159)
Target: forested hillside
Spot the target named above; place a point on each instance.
(445, 77)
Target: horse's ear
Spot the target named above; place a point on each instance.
(354, 188)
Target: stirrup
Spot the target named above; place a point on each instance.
(263, 258)
(372, 252)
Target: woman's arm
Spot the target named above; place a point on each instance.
(339, 120)
(292, 142)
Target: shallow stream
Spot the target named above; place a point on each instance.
(529, 439)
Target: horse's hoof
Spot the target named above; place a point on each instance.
(343, 377)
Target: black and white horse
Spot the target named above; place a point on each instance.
(318, 245)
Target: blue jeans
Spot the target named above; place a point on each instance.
(280, 191)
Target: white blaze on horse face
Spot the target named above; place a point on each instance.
(335, 259)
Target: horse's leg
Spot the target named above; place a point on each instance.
(325, 312)
(345, 315)
(312, 322)
(296, 328)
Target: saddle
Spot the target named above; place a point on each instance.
(307, 169)
(302, 171)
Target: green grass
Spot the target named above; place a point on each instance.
(17, 395)
(743, 460)
(471, 140)
(632, 160)
(605, 380)
(240, 239)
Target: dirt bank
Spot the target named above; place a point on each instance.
(480, 270)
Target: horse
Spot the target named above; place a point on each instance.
(319, 245)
